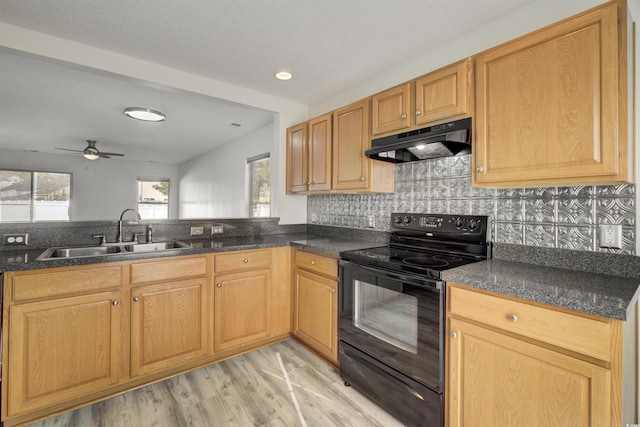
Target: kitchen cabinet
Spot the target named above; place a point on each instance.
(297, 170)
(169, 325)
(309, 156)
(444, 94)
(41, 374)
(352, 170)
(513, 362)
(242, 298)
(553, 106)
(315, 314)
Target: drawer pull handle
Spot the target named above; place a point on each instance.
(136, 299)
(219, 285)
(454, 335)
(513, 318)
(115, 302)
(246, 260)
(313, 262)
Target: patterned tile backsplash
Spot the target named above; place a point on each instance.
(554, 217)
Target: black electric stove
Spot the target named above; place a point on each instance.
(429, 244)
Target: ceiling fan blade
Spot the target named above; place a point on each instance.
(69, 149)
(104, 155)
(111, 154)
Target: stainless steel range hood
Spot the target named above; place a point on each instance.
(443, 140)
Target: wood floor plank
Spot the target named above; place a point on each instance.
(259, 388)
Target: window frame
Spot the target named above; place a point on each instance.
(250, 162)
(153, 179)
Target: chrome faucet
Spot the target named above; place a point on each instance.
(120, 222)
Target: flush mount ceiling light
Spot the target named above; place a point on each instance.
(144, 114)
(283, 75)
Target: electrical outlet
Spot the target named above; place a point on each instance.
(217, 229)
(370, 221)
(15, 239)
(197, 231)
(610, 236)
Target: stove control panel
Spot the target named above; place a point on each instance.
(441, 223)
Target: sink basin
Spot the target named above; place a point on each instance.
(159, 246)
(110, 249)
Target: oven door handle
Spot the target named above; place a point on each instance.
(414, 280)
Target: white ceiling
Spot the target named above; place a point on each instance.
(328, 45)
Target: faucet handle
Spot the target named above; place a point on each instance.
(136, 237)
(102, 237)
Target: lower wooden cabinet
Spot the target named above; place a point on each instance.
(242, 308)
(62, 349)
(511, 362)
(169, 325)
(315, 314)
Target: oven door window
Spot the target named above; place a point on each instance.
(387, 314)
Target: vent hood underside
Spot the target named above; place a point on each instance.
(448, 139)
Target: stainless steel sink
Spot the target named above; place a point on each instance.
(110, 249)
(159, 246)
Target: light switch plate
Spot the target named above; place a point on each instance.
(610, 236)
(217, 229)
(197, 231)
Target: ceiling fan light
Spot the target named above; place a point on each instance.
(91, 153)
(144, 114)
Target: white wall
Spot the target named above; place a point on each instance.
(213, 185)
(100, 189)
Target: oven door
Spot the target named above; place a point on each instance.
(395, 318)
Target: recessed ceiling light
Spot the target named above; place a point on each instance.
(144, 114)
(284, 75)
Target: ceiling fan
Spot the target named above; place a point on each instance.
(91, 152)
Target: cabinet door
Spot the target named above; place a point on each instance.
(548, 106)
(320, 134)
(390, 110)
(62, 349)
(495, 380)
(350, 140)
(315, 313)
(297, 158)
(444, 94)
(169, 325)
(242, 308)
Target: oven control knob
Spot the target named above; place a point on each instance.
(397, 220)
(407, 219)
(473, 224)
(458, 222)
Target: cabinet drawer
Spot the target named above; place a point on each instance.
(168, 269)
(317, 263)
(587, 336)
(245, 260)
(53, 283)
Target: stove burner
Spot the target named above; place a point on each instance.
(447, 257)
(424, 262)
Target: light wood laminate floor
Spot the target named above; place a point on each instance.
(280, 385)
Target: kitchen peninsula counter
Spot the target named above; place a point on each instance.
(324, 245)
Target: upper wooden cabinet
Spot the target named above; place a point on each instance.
(352, 170)
(444, 94)
(552, 106)
(326, 155)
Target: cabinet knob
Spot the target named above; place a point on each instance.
(362, 178)
(115, 302)
(219, 285)
(479, 169)
(404, 116)
(313, 262)
(333, 291)
(513, 318)
(246, 260)
(136, 299)
(418, 112)
(453, 335)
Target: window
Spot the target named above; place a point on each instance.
(153, 198)
(259, 186)
(30, 196)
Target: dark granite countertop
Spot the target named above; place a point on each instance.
(588, 292)
(324, 245)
